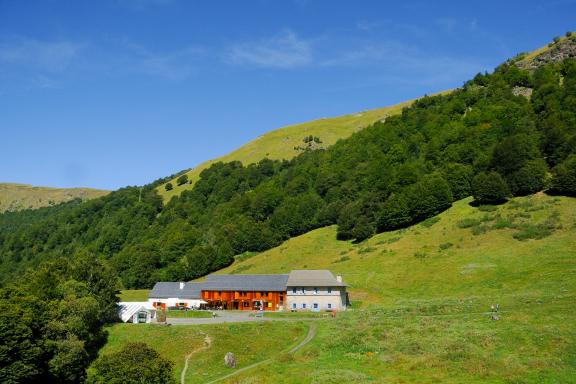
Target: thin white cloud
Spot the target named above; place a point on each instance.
(283, 51)
(48, 56)
(178, 64)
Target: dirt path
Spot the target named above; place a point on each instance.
(207, 344)
(307, 339)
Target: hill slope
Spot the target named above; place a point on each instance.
(14, 197)
(462, 252)
(421, 304)
(280, 143)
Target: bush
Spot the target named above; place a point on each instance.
(168, 186)
(445, 246)
(467, 223)
(420, 255)
(487, 208)
(135, 363)
(531, 231)
(489, 188)
(182, 179)
(529, 179)
(564, 177)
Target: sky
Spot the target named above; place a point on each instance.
(111, 93)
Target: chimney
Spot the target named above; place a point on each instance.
(181, 285)
(339, 278)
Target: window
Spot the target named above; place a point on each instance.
(315, 290)
(329, 306)
(329, 289)
(294, 290)
(303, 290)
(315, 305)
(246, 304)
(293, 305)
(304, 305)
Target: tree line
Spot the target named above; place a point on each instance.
(479, 140)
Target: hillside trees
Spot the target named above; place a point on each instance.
(52, 319)
(480, 140)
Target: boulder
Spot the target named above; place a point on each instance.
(230, 360)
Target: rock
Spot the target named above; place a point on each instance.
(495, 317)
(522, 91)
(230, 360)
(559, 51)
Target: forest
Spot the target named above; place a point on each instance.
(481, 139)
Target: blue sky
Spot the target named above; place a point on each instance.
(121, 92)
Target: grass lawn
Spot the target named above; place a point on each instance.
(250, 342)
(134, 295)
(532, 343)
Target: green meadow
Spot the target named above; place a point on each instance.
(421, 311)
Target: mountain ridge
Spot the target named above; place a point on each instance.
(17, 196)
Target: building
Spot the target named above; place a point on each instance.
(175, 294)
(136, 312)
(245, 292)
(313, 290)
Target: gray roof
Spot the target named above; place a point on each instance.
(245, 283)
(278, 283)
(313, 278)
(167, 289)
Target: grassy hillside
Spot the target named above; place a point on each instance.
(422, 304)
(459, 253)
(14, 197)
(250, 342)
(279, 144)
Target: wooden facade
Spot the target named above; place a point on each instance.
(245, 300)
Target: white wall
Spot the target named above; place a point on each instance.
(336, 298)
(173, 301)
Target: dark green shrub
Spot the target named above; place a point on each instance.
(564, 177)
(490, 188)
(467, 223)
(445, 246)
(182, 179)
